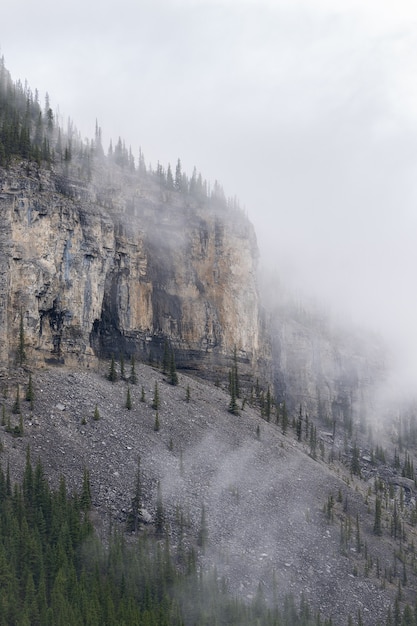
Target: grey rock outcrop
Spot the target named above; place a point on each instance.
(118, 265)
(332, 372)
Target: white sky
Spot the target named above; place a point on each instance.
(305, 109)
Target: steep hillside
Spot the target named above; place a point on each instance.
(263, 454)
(266, 500)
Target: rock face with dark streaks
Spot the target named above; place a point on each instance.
(121, 265)
(118, 266)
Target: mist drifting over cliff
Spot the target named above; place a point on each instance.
(308, 113)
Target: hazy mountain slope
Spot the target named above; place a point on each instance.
(100, 257)
(263, 498)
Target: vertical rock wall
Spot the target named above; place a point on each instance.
(91, 281)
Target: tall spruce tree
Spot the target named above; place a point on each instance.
(112, 375)
(128, 403)
(233, 406)
(156, 400)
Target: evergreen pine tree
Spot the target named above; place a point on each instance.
(178, 176)
(96, 415)
(169, 178)
(187, 394)
(112, 375)
(233, 406)
(85, 497)
(142, 395)
(299, 425)
(156, 401)
(156, 426)
(128, 399)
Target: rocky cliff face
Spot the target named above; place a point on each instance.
(331, 372)
(117, 265)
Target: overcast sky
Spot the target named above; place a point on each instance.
(304, 109)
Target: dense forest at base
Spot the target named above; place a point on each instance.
(55, 571)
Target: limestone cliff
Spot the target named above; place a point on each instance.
(117, 265)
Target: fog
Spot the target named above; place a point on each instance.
(307, 113)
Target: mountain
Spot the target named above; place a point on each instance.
(133, 315)
(91, 280)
